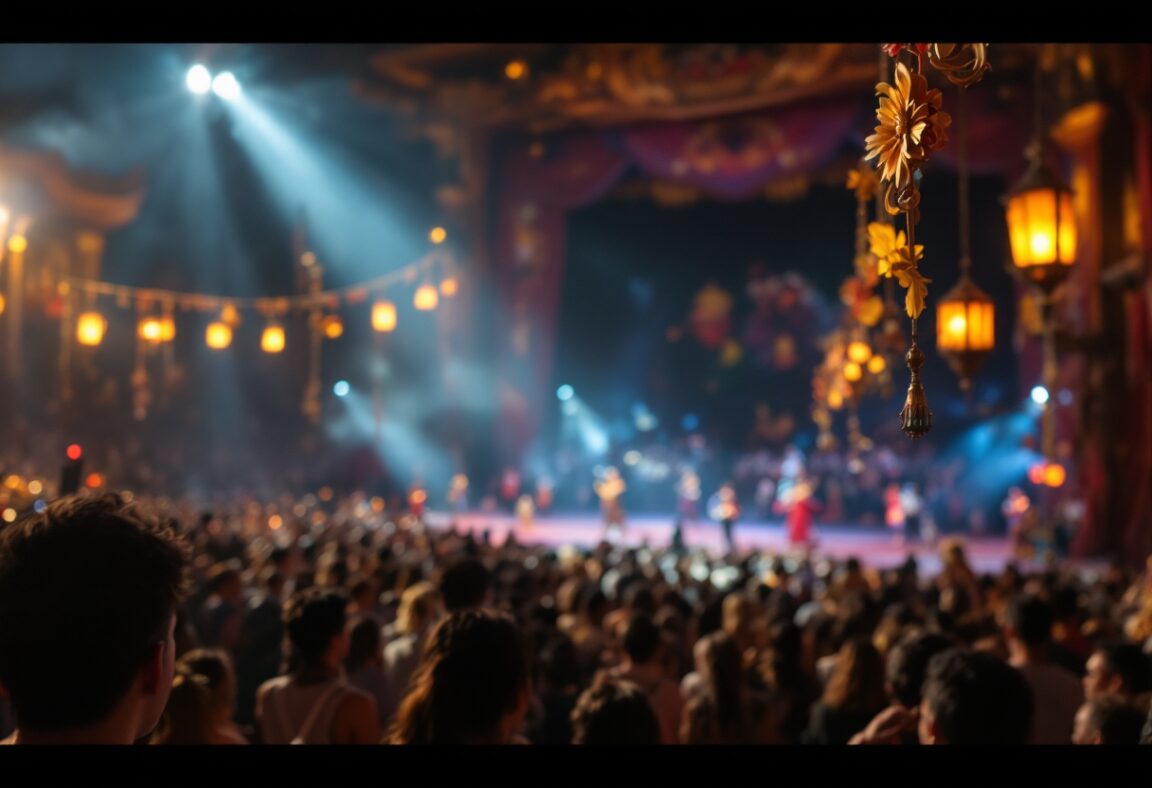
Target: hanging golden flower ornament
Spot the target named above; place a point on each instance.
(912, 124)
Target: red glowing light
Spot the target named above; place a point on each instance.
(74, 452)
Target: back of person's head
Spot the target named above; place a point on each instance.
(363, 592)
(723, 674)
(95, 574)
(973, 698)
(472, 676)
(614, 712)
(594, 603)
(419, 607)
(907, 665)
(312, 618)
(1108, 719)
(857, 681)
(274, 583)
(560, 664)
(225, 579)
(189, 714)
(365, 642)
(1030, 619)
(638, 598)
(737, 613)
(1128, 663)
(216, 667)
(465, 585)
(641, 639)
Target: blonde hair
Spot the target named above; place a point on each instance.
(417, 607)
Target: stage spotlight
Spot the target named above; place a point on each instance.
(691, 422)
(198, 79)
(226, 87)
(341, 388)
(565, 393)
(1039, 395)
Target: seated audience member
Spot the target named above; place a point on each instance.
(473, 684)
(100, 574)
(1108, 719)
(973, 698)
(215, 666)
(1057, 692)
(642, 665)
(313, 704)
(614, 712)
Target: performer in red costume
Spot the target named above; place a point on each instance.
(801, 508)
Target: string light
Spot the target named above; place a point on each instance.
(218, 335)
(426, 298)
(272, 341)
(384, 316)
(90, 328)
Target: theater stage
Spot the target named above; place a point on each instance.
(875, 547)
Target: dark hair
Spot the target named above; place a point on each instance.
(213, 664)
(724, 677)
(471, 674)
(614, 712)
(1115, 719)
(364, 636)
(1131, 664)
(641, 639)
(907, 665)
(464, 584)
(312, 618)
(857, 681)
(1031, 619)
(91, 571)
(187, 717)
(560, 663)
(977, 699)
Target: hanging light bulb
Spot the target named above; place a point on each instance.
(876, 365)
(384, 316)
(449, 287)
(332, 326)
(230, 315)
(90, 328)
(218, 335)
(852, 372)
(167, 328)
(151, 330)
(272, 340)
(426, 298)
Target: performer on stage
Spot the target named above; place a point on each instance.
(1020, 517)
(688, 493)
(458, 493)
(724, 508)
(544, 488)
(510, 488)
(525, 511)
(417, 497)
(893, 510)
(801, 508)
(913, 506)
(609, 489)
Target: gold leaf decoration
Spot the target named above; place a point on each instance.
(912, 124)
(962, 64)
(864, 181)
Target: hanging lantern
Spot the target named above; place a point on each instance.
(167, 328)
(272, 340)
(449, 287)
(332, 326)
(17, 244)
(90, 328)
(151, 330)
(1041, 225)
(426, 298)
(876, 365)
(965, 328)
(437, 235)
(852, 372)
(384, 316)
(3, 303)
(218, 335)
(859, 352)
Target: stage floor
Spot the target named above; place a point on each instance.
(875, 547)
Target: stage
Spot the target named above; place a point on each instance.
(875, 547)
